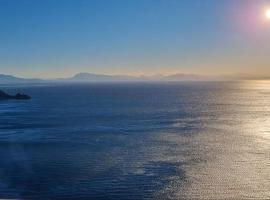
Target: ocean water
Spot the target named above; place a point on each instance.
(190, 140)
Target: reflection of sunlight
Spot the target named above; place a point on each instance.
(262, 128)
(255, 133)
(256, 109)
(255, 84)
(229, 158)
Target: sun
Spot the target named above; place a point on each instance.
(267, 14)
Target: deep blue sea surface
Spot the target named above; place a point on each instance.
(189, 140)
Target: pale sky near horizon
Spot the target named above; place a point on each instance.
(58, 38)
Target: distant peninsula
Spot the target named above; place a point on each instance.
(18, 96)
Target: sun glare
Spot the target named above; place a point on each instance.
(267, 14)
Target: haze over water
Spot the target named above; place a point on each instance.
(189, 140)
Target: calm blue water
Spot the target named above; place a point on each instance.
(137, 141)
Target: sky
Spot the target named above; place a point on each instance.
(59, 38)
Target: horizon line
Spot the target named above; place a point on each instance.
(236, 76)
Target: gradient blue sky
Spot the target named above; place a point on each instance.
(57, 38)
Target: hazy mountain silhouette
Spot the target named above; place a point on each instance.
(91, 77)
(158, 77)
(182, 77)
(13, 79)
(100, 77)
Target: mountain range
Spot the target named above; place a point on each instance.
(91, 77)
(13, 79)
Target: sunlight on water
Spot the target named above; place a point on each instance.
(229, 158)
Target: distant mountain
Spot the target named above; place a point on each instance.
(90, 77)
(185, 77)
(13, 79)
(100, 77)
(9, 78)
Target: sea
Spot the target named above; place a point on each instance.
(136, 141)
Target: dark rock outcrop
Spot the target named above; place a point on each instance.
(5, 96)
